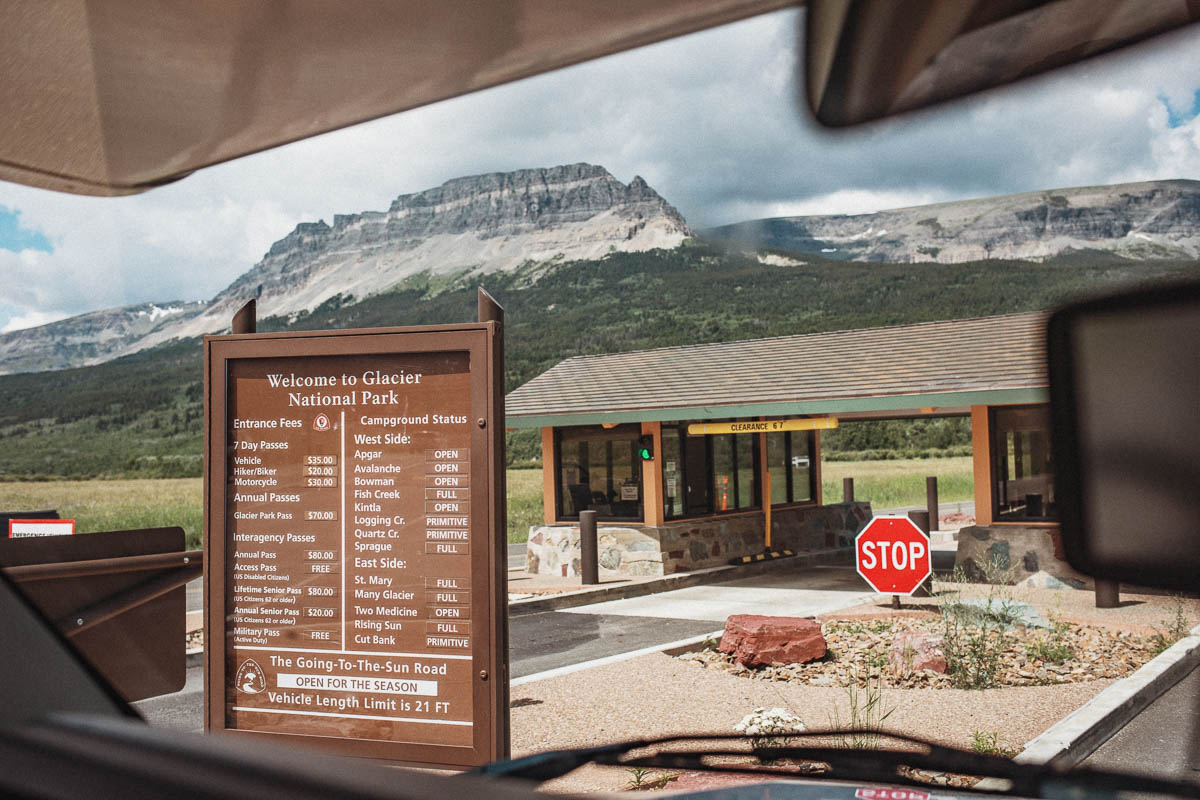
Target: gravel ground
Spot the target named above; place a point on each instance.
(1139, 613)
(660, 695)
(860, 651)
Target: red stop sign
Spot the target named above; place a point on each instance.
(892, 555)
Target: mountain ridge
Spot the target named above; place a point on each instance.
(497, 221)
(88, 338)
(481, 223)
(1143, 220)
(531, 219)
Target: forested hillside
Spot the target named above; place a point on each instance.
(141, 415)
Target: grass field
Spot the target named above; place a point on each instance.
(900, 482)
(525, 505)
(98, 505)
(114, 505)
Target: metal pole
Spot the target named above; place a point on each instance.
(847, 490)
(1108, 594)
(589, 555)
(766, 501)
(931, 502)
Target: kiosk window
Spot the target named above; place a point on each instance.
(789, 456)
(1023, 471)
(598, 470)
(800, 455)
(724, 477)
(718, 473)
(674, 488)
(777, 463)
(746, 450)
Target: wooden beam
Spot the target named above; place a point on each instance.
(652, 478)
(815, 466)
(764, 469)
(981, 454)
(548, 476)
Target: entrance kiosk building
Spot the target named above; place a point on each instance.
(706, 495)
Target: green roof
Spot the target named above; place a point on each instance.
(945, 365)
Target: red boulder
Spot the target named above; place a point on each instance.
(757, 641)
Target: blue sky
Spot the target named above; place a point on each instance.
(1177, 117)
(710, 121)
(15, 238)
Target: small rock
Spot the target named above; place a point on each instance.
(913, 651)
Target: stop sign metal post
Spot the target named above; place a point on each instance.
(892, 555)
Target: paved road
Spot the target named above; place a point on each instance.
(553, 639)
(963, 506)
(182, 711)
(1164, 740)
(516, 556)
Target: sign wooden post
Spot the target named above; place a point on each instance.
(355, 545)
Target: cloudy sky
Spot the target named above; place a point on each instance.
(709, 120)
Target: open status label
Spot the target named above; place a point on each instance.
(348, 520)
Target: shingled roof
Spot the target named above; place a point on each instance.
(948, 366)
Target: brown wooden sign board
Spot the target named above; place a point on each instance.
(139, 651)
(355, 560)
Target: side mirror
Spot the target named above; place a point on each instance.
(1125, 412)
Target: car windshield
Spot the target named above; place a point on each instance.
(778, 443)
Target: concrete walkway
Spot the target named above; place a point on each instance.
(801, 593)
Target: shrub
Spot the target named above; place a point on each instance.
(867, 715)
(988, 744)
(1175, 627)
(1052, 646)
(973, 635)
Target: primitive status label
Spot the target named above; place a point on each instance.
(348, 519)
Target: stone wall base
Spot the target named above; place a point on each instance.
(644, 550)
(1024, 556)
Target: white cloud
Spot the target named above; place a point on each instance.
(845, 201)
(32, 320)
(710, 121)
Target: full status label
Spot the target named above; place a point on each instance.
(348, 519)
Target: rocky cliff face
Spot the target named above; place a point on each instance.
(481, 223)
(1155, 219)
(89, 338)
